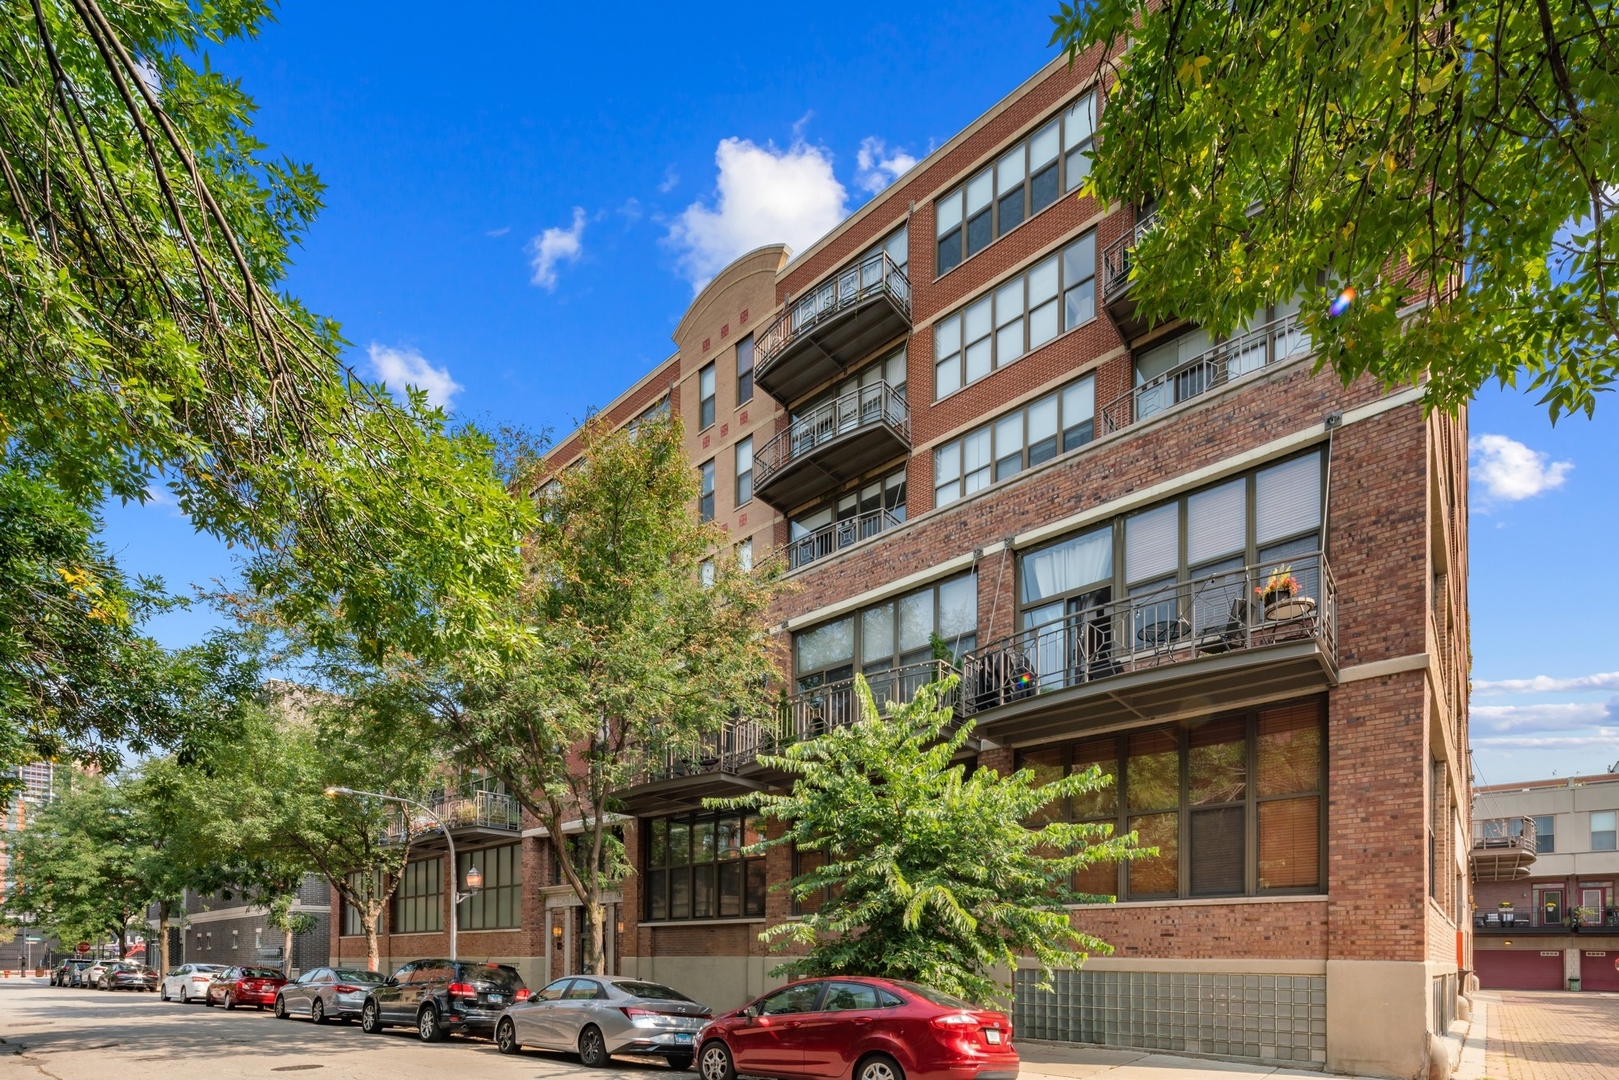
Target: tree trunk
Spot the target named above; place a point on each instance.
(594, 933)
(286, 952)
(162, 939)
(123, 938)
(368, 923)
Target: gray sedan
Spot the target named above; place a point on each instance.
(326, 994)
(597, 1016)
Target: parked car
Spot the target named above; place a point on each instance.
(235, 986)
(325, 993)
(864, 1029)
(64, 973)
(438, 997)
(89, 977)
(188, 982)
(124, 975)
(598, 1016)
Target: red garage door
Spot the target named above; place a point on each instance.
(1599, 970)
(1519, 969)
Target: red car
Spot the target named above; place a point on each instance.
(244, 986)
(848, 1028)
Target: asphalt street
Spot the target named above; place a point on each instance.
(64, 1034)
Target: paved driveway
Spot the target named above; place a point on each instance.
(1552, 1035)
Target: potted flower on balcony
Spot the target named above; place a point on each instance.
(1584, 916)
(1280, 595)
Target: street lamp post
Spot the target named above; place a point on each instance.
(474, 878)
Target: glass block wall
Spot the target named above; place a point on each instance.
(1263, 1017)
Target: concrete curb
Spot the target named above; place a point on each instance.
(1473, 1062)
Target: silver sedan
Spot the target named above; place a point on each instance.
(597, 1016)
(326, 994)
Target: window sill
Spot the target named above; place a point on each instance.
(1212, 901)
(742, 921)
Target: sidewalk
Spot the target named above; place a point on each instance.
(1060, 1062)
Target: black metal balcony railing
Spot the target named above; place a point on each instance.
(471, 809)
(868, 408)
(1229, 612)
(1119, 256)
(876, 276)
(1274, 342)
(834, 537)
(803, 716)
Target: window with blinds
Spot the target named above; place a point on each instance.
(418, 902)
(1233, 804)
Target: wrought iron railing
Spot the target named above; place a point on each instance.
(1119, 256)
(832, 538)
(1274, 342)
(1227, 612)
(866, 407)
(844, 290)
(461, 810)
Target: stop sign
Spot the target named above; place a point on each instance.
(83, 947)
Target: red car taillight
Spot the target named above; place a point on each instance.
(343, 988)
(463, 990)
(522, 995)
(950, 1020)
(633, 1013)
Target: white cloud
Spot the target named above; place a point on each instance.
(1556, 716)
(502, 231)
(670, 179)
(1605, 740)
(878, 167)
(1510, 471)
(400, 368)
(1545, 684)
(765, 196)
(556, 245)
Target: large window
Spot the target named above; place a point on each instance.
(705, 495)
(1233, 804)
(418, 902)
(894, 633)
(878, 493)
(498, 905)
(1603, 832)
(1545, 835)
(1056, 294)
(1188, 365)
(744, 471)
(705, 398)
(1022, 439)
(351, 914)
(744, 370)
(1023, 181)
(695, 868)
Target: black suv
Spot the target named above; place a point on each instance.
(63, 973)
(438, 997)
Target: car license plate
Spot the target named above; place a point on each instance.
(993, 1036)
(496, 999)
(682, 1036)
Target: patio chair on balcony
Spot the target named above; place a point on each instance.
(1229, 637)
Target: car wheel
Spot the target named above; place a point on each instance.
(714, 1063)
(592, 1048)
(506, 1036)
(679, 1062)
(229, 1003)
(185, 995)
(317, 1012)
(370, 1019)
(427, 1025)
(879, 1067)
(280, 1008)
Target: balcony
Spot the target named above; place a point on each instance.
(836, 325)
(727, 761)
(1187, 650)
(830, 539)
(1273, 343)
(832, 443)
(1503, 849)
(1117, 259)
(469, 812)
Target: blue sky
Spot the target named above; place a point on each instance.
(520, 203)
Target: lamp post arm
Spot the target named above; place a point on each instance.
(449, 842)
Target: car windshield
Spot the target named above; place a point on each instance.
(352, 975)
(208, 968)
(260, 973)
(502, 976)
(654, 991)
(944, 1001)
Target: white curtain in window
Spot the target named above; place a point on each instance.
(1152, 543)
(1287, 498)
(958, 607)
(1072, 564)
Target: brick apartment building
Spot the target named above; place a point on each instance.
(947, 419)
(228, 929)
(1544, 865)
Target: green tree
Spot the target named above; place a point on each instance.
(930, 873)
(1453, 163)
(643, 637)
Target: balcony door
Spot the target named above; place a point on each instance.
(1549, 907)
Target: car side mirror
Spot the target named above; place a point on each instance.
(751, 1011)
(390, 981)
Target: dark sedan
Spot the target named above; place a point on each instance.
(67, 972)
(126, 976)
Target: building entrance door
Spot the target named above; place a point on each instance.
(1549, 907)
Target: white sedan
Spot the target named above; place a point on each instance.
(188, 983)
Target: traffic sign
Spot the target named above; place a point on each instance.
(82, 947)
